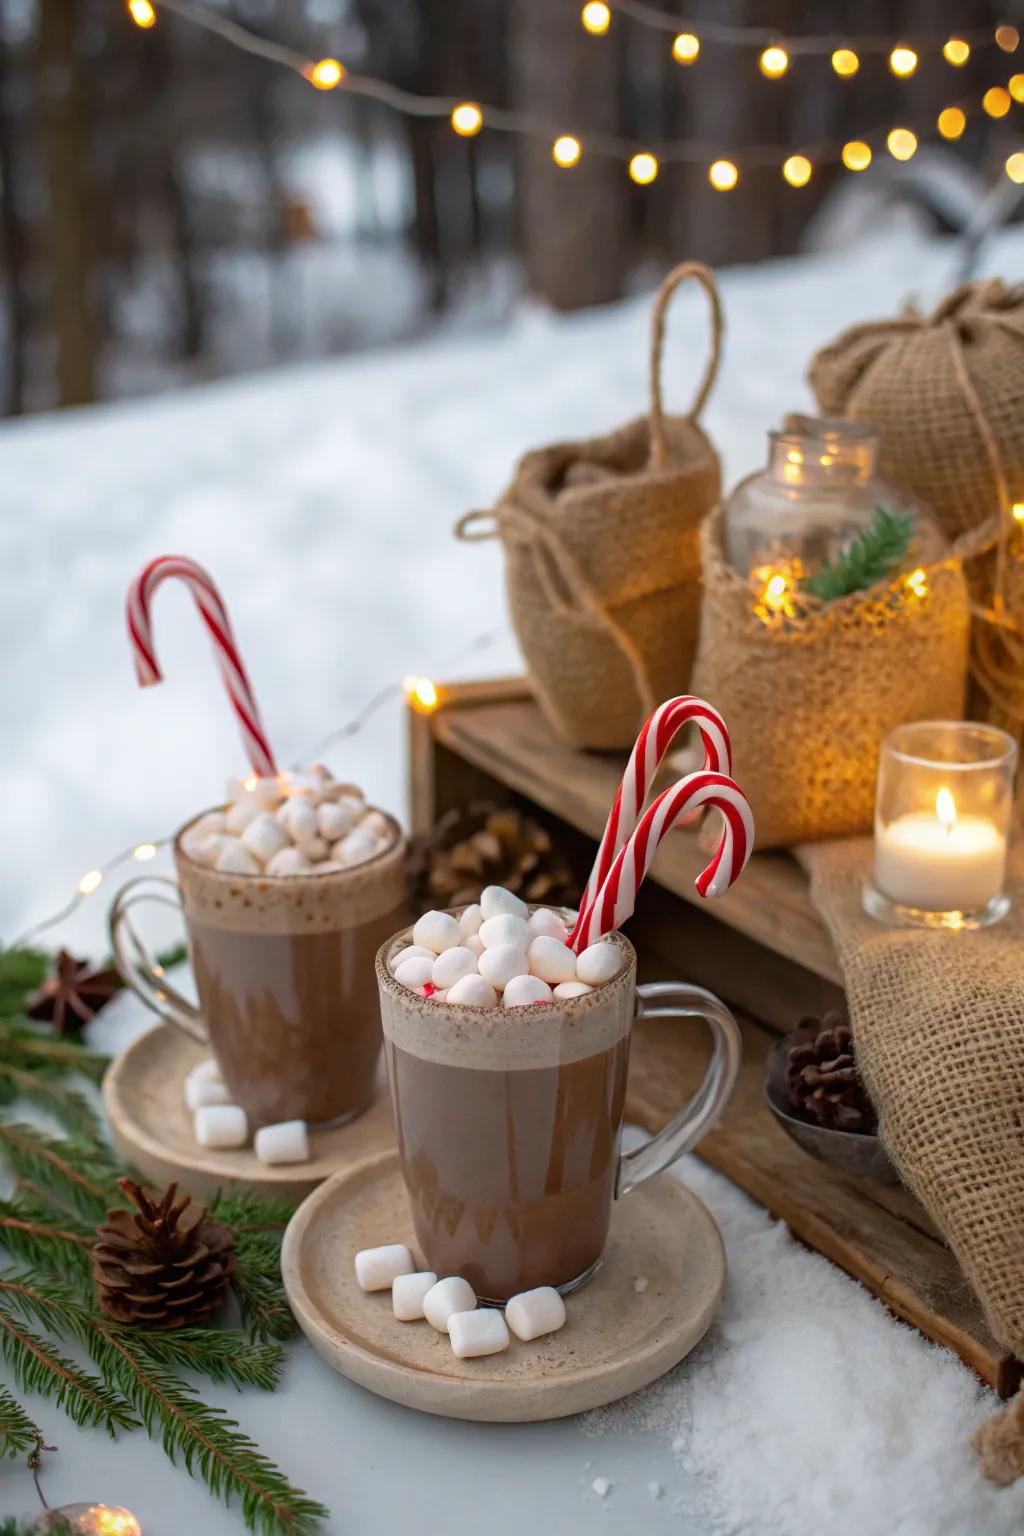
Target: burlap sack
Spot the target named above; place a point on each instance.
(601, 556)
(809, 701)
(938, 1021)
(947, 390)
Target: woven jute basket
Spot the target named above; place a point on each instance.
(601, 555)
(809, 700)
(947, 391)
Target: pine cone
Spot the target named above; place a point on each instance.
(490, 845)
(164, 1265)
(822, 1078)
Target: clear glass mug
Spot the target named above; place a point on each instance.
(509, 1121)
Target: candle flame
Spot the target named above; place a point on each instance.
(945, 809)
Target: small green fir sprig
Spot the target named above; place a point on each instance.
(868, 558)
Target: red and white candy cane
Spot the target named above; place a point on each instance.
(215, 616)
(645, 759)
(616, 899)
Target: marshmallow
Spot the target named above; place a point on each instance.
(436, 994)
(240, 814)
(263, 837)
(221, 1126)
(471, 920)
(599, 963)
(334, 821)
(415, 973)
(356, 847)
(451, 965)
(547, 922)
(290, 861)
(352, 800)
(205, 847)
(436, 931)
(505, 929)
(447, 1298)
(500, 964)
(285, 1142)
(261, 792)
(206, 1071)
(314, 848)
(378, 1268)
(551, 960)
(572, 989)
(206, 826)
(236, 860)
(532, 1313)
(329, 867)
(407, 1294)
(209, 1090)
(478, 1333)
(494, 899)
(298, 816)
(474, 943)
(522, 991)
(410, 952)
(474, 991)
(377, 824)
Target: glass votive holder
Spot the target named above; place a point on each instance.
(942, 825)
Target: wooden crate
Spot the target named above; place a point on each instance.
(763, 948)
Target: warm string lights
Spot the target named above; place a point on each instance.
(644, 163)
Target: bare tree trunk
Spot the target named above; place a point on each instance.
(574, 222)
(69, 231)
(159, 80)
(15, 254)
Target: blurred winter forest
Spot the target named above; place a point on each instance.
(173, 209)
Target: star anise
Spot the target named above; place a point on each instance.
(73, 995)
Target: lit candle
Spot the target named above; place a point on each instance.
(939, 861)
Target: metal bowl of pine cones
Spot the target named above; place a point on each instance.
(814, 1090)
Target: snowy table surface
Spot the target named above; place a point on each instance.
(322, 499)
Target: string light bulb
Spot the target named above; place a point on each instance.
(643, 168)
(421, 694)
(845, 62)
(996, 101)
(856, 155)
(1007, 38)
(1015, 170)
(1015, 86)
(797, 170)
(686, 48)
(1018, 506)
(596, 17)
(774, 62)
(142, 13)
(467, 119)
(144, 852)
(566, 151)
(917, 582)
(723, 175)
(903, 61)
(325, 74)
(956, 52)
(902, 143)
(90, 881)
(951, 122)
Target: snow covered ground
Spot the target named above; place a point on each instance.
(322, 499)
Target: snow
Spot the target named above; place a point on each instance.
(322, 498)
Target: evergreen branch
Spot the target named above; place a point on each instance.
(40, 1244)
(243, 1211)
(206, 1440)
(866, 559)
(259, 1289)
(74, 1112)
(18, 1434)
(21, 971)
(214, 1352)
(81, 1172)
(31, 1048)
(37, 1367)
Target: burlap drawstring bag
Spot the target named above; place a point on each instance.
(947, 390)
(809, 700)
(938, 1020)
(601, 555)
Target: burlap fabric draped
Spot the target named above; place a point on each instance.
(947, 390)
(809, 700)
(601, 555)
(938, 1020)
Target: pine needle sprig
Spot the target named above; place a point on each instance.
(39, 1087)
(21, 972)
(22, 1046)
(80, 1172)
(213, 1352)
(205, 1439)
(867, 559)
(37, 1366)
(18, 1434)
(259, 1291)
(30, 1237)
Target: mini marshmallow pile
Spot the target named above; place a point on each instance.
(292, 824)
(449, 1305)
(223, 1126)
(496, 947)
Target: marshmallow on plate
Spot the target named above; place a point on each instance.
(482, 1332)
(532, 1313)
(378, 1268)
(523, 991)
(436, 931)
(205, 1090)
(599, 963)
(551, 960)
(445, 1299)
(221, 1126)
(285, 1142)
(407, 1294)
(495, 899)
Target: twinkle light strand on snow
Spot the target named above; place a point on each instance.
(422, 694)
(468, 117)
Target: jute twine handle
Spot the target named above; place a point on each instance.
(678, 275)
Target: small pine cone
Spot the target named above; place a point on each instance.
(488, 845)
(822, 1078)
(163, 1265)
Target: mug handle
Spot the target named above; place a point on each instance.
(134, 964)
(679, 1000)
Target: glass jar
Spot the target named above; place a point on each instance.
(820, 489)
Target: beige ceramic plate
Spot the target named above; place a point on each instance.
(616, 1338)
(152, 1129)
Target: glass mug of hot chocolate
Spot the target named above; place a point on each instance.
(282, 944)
(509, 1117)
